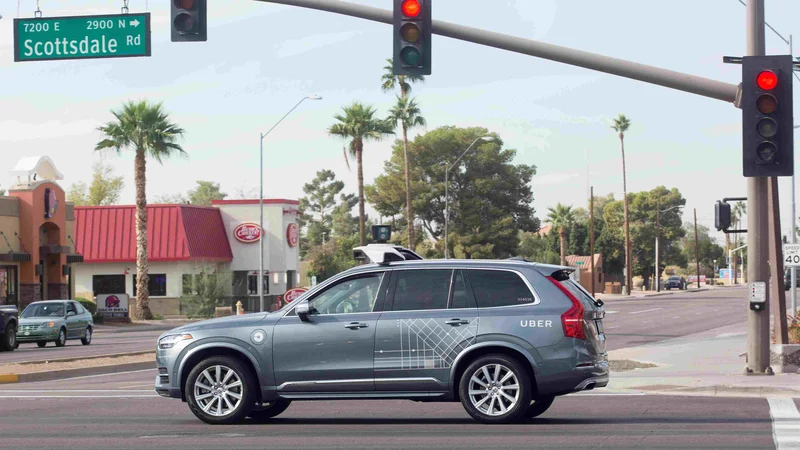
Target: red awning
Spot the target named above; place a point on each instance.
(174, 233)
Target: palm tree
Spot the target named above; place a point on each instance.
(359, 124)
(147, 130)
(621, 125)
(407, 113)
(389, 80)
(739, 211)
(561, 217)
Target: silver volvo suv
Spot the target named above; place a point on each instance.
(504, 338)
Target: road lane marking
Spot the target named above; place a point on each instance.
(785, 423)
(646, 310)
(611, 328)
(611, 312)
(727, 335)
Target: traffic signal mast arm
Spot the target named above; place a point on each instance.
(649, 74)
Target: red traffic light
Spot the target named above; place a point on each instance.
(411, 8)
(767, 80)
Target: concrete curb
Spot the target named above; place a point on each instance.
(81, 358)
(72, 373)
(712, 391)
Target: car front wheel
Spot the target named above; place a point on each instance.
(495, 389)
(41, 344)
(62, 338)
(221, 390)
(87, 337)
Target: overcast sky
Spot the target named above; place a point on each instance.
(261, 59)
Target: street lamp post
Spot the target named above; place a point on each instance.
(447, 192)
(658, 238)
(261, 202)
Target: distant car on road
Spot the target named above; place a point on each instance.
(504, 338)
(8, 327)
(675, 282)
(55, 321)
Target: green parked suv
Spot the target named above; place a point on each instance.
(55, 321)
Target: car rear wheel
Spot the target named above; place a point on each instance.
(62, 338)
(221, 390)
(539, 406)
(10, 338)
(87, 337)
(269, 410)
(41, 344)
(495, 389)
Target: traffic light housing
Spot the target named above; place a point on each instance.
(381, 233)
(413, 25)
(767, 116)
(722, 215)
(189, 20)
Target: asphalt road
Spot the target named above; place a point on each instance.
(121, 411)
(106, 340)
(634, 322)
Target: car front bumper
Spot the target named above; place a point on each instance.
(167, 383)
(38, 335)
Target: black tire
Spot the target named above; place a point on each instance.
(539, 406)
(515, 411)
(10, 338)
(86, 339)
(248, 391)
(41, 344)
(269, 410)
(61, 340)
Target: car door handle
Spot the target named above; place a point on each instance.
(356, 325)
(457, 322)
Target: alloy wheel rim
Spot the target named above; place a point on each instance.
(12, 338)
(61, 336)
(218, 390)
(494, 390)
(88, 335)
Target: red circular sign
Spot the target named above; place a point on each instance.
(247, 233)
(292, 235)
(292, 294)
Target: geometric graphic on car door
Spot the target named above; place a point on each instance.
(427, 344)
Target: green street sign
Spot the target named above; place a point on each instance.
(82, 37)
(579, 263)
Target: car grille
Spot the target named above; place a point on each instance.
(28, 327)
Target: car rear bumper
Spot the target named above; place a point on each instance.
(582, 378)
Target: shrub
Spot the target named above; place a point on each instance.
(88, 304)
(98, 318)
(210, 288)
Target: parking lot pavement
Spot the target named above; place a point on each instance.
(106, 340)
(90, 412)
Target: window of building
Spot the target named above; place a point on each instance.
(252, 284)
(157, 285)
(494, 288)
(421, 290)
(108, 284)
(8, 285)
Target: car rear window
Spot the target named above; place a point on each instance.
(493, 288)
(576, 290)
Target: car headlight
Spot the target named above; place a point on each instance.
(170, 340)
(48, 325)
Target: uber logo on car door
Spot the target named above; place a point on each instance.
(536, 323)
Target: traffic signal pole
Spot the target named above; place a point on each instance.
(649, 74)
(757, 224)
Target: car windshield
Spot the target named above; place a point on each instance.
(44, 310)
(674, 278)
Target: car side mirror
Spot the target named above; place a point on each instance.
(302, 311)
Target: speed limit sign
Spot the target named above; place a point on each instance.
(791, 255)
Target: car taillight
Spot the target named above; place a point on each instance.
(572, 320)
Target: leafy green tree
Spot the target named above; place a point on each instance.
(709, 252)
(407, 114)
(390, 81)
(205, 193)
(209, 288)
(621, 125)
(170, 199)
(359, 124)
(147, 130)
(318, 208)
(560, 218)
(104, 190)
(490, 198)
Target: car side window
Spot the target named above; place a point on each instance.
(418, 290)
(355, 294)
(71, 308)
(493, 288)
(460, 299)
(79, 308)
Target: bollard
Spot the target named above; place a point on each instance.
(239, 308)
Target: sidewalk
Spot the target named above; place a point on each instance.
(708, 363)
(648, 294)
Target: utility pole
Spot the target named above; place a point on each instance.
(658, 253)
(696, 250)
(757, 224)
(591, 234)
